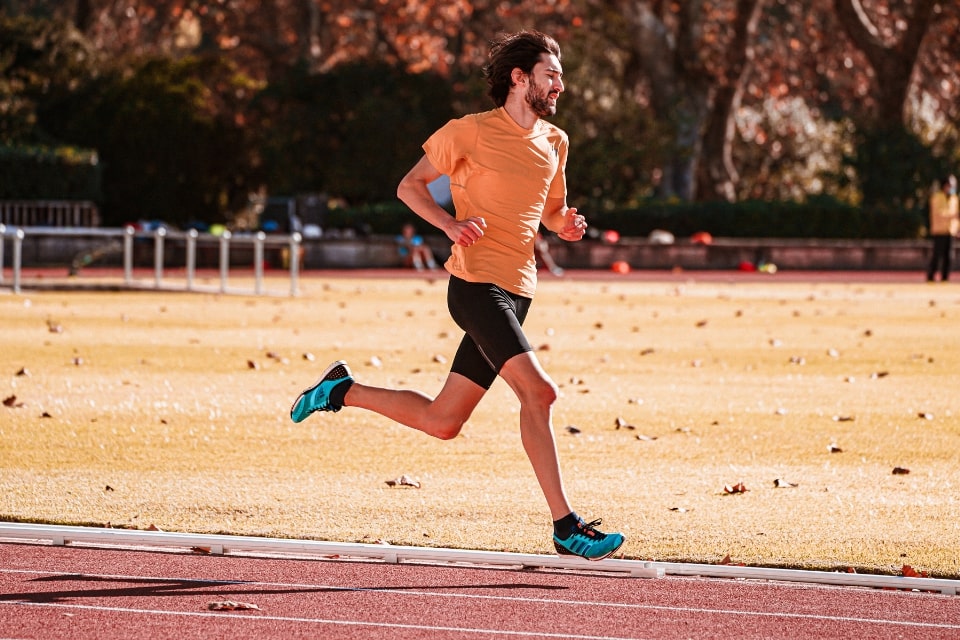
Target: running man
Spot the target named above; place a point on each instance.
(507, 175)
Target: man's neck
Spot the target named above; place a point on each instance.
(520, 112)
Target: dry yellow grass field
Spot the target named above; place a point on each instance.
(168, 409)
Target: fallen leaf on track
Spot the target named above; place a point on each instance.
(230, 605)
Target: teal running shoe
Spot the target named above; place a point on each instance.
(587, 542)
(317, 397)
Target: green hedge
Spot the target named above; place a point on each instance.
(817, 218)
(37, 173)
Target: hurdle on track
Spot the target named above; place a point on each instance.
(191, 239)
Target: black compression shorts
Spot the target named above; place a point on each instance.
(491, 318)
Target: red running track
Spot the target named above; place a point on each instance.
(82, 592)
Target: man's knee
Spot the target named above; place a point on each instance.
(445, 420)
(541, 392)
(447, 427)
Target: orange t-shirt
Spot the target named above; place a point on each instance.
(503, 173)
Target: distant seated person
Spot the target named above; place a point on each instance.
(541, 248)
(413, 252)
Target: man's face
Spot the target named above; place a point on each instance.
(545, 85)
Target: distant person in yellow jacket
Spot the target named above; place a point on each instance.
(944, 225)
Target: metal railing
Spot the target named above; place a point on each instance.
(52, 213)
(192, 238)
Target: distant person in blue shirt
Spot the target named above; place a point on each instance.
(413, 252)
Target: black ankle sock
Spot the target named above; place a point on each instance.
(339, 392)
(565, 526)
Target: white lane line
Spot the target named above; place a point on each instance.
(348, 623)
(516, 599)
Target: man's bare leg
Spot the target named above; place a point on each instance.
(537, 393)
(441, 417)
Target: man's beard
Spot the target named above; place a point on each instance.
(540, 103)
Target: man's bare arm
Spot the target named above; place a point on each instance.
(413, 191)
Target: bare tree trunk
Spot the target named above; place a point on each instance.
(892, 62)
(717, 176)
(680, 92)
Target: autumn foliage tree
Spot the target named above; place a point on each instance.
(693, 100)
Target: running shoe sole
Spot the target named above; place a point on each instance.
(563, 551)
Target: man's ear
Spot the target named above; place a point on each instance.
(518, 76)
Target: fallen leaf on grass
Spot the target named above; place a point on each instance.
(783, 484)
(572, 429)
(230, 605)
(645, 438)
(843, 418)
(11, 401)
(833, 448)
(23, 372)
(900, 471)
(404, 481)
(910, 572)
(736, 488)
(623, 424)
(924, 415)
(679, 509)
(251, 364)
(727, 561)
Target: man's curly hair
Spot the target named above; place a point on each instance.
(516, 50)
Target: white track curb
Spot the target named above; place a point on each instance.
(221, 544)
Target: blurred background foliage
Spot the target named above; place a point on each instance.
(740, 117)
